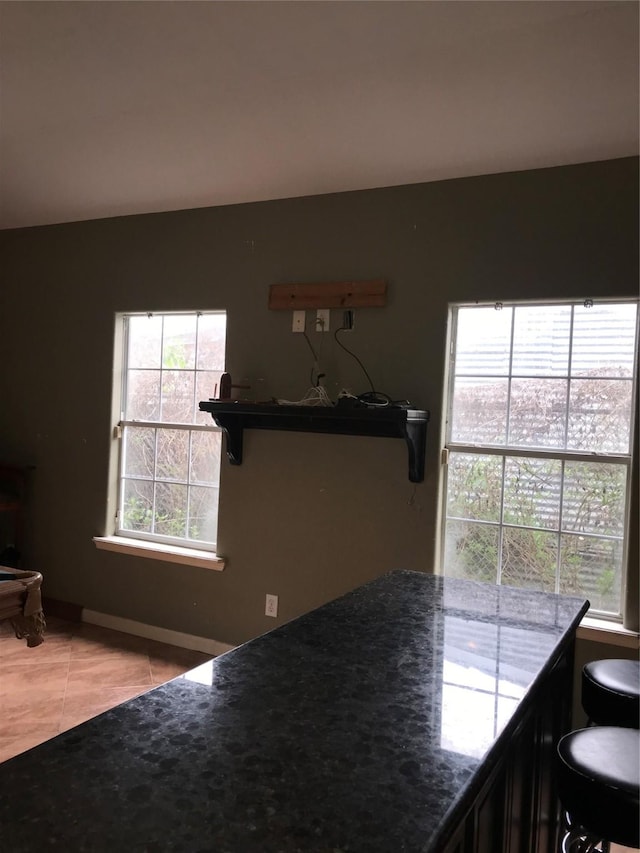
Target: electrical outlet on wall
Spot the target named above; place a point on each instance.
(322, 319)
(298, 323)
(271, 605)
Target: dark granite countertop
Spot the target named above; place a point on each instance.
(364, 726)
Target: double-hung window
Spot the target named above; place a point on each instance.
(538, 446)
(169, 467)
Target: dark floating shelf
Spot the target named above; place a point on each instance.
(409, 424)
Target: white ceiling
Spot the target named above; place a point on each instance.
(112, 108)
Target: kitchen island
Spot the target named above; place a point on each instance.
(413, 714)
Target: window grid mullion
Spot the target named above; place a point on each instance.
(161, 367)
(563, 462)
(189, 460)
(501, 523)
(560, 521)
(506, 438)
(569, 369)
(510, 375)
(155, 480)
(539, 453)
(171, 425)
(195, 374)
(483, 522)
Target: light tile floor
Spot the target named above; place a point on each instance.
(78, 672)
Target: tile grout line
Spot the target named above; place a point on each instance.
(64, 695)
(100, 650)
(66, 686)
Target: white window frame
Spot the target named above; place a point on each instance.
(506, 451)
(153, 545)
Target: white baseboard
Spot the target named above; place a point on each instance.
(153, 632)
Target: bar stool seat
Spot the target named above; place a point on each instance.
(599, 786)
(611, 692)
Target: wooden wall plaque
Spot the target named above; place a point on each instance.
(331, 294)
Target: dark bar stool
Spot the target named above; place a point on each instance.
(599, 787)
(611, 692)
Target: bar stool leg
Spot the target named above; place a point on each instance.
(577, 839)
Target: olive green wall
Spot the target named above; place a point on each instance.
(306, 516)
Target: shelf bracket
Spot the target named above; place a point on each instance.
(233, 433)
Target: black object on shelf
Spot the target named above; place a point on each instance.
(390, 422)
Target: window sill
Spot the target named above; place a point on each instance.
(603, 631)
(159, 551)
